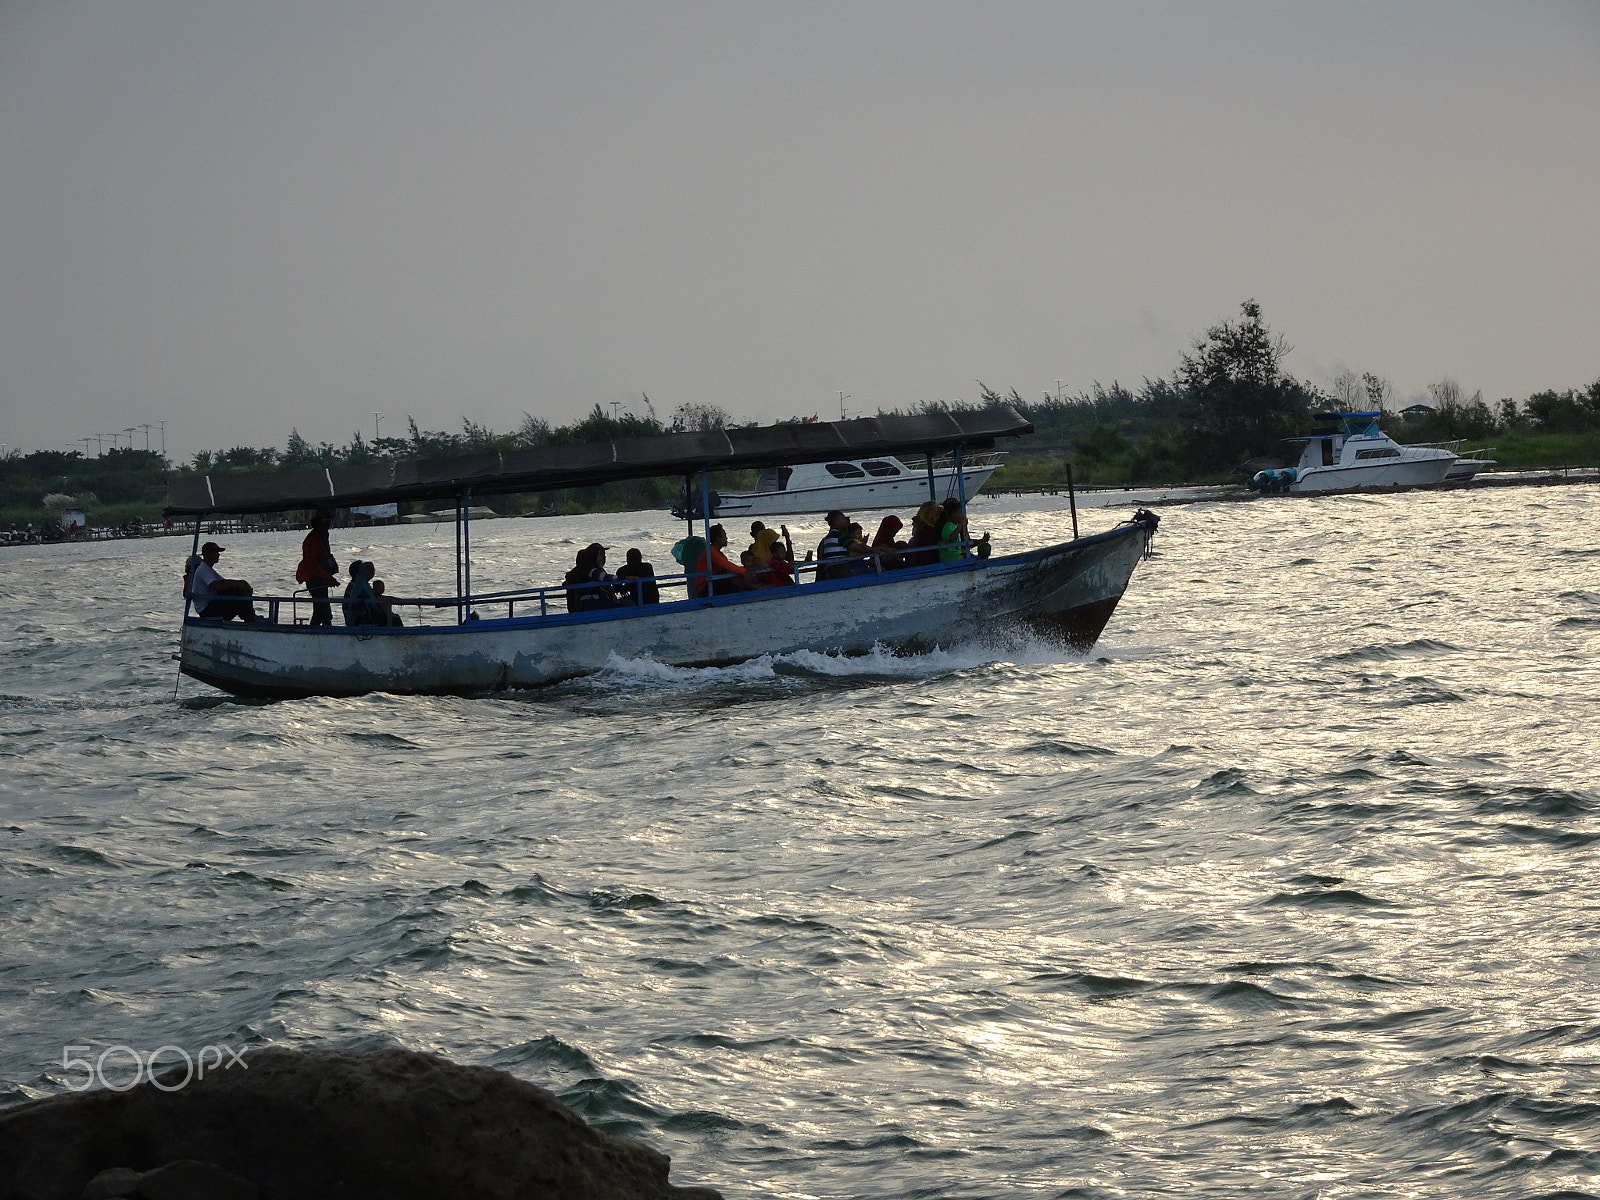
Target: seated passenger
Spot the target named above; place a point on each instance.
(953, 532)
(687, 552)
(719, 565)
(860, 553)
(768, 543)
(387, 605)
(884, 545)
(833, 552)
(755, 571)
(361, 606)
(756, 530)
(780, 566)
(646, 591)
(216, 598)
(589, 586)
(923, 548)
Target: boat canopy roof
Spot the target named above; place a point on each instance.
(1351, 424)
(546, 468)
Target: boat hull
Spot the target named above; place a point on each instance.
(907, 491)
(1065, 592)
(1407, 472)
(1467, 468)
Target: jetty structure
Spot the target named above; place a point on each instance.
(491, 641)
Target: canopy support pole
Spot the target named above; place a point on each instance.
(705, 511)
(933, 495)
(194, 550)
(464, 561)
(1072, 503)
(961, 481)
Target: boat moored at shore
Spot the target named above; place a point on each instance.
(1356, 455)
(856, 485)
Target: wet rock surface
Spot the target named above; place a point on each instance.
(324, 1123)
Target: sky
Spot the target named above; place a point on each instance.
(233, 220)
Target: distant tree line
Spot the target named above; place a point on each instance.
(1230, 401)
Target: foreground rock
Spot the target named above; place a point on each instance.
(324, 1123)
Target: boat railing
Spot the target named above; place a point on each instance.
(626, 592)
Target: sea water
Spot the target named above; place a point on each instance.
(1289, 888)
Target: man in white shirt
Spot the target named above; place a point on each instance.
(216, 598)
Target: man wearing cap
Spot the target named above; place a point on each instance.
(216, 598)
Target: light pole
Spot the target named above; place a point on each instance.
(842, 398)
(376, 417)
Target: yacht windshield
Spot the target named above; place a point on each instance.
(1359, 424)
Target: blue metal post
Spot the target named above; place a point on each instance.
(705, 510)
(466, 549)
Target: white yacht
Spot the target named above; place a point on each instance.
(851, 484)
(1357, 455)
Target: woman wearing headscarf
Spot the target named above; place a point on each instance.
(884, 545)
(924, 543)
(361, 603)
(761, 552)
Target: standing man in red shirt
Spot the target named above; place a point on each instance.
(318, 569)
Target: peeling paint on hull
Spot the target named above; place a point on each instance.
(1067, 592)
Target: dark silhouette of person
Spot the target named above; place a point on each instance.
(646, 591)
(216, 598)
(587, 582)
(318, 569)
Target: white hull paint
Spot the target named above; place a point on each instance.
(858, 495)
(1466, 468)
(1409, 472)
(1067, 591)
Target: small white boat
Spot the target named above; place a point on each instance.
(1356, 455)
(527, 637)
(1468, 465)
(851, 484)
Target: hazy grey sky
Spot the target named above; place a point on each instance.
(242, 218)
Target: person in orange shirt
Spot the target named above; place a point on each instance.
(720, 565)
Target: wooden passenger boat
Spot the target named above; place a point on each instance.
(526, 638)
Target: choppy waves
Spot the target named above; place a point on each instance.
(1283, 892)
